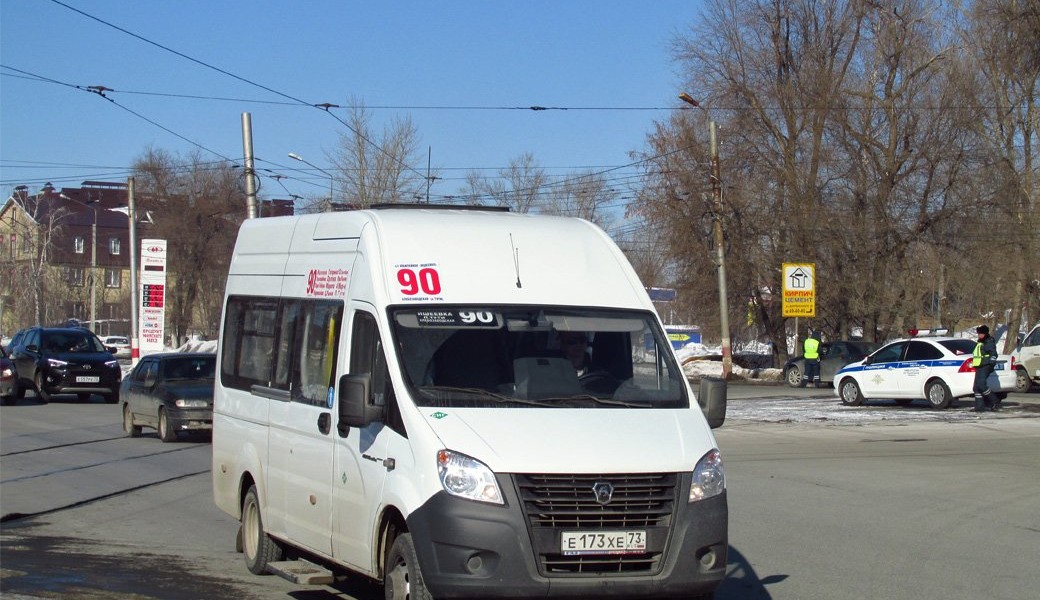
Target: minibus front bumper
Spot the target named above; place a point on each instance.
(473, 549)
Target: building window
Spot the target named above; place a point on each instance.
(113, 246)
(113, 278)
(78, 244)
(74, 275)
(27, 243)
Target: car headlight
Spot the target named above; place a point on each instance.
(53, 362)
(197, 403)
(709, 477)
(467, 478)
(7, 372)
(112, 363)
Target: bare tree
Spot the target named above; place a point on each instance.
(197, 206)
(35, 223)
(376, 167)
(587, 196)
(1002, 75)
(520, 186)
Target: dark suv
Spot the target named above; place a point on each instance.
(64, 360)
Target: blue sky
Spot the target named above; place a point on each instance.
(611, 55)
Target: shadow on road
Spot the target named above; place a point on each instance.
(742, 582)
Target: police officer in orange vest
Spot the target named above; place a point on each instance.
(983, 359)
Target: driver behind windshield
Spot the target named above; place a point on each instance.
(574, 346)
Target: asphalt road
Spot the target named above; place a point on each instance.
(826, 502)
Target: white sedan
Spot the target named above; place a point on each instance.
(936, 369)
(120, 343)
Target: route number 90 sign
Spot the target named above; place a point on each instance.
(426, 281)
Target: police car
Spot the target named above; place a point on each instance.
(925, 366)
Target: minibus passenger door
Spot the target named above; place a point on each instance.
(301, 437)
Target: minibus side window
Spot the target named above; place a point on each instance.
(249, 335)
(286, 344)
(315, 350)
(367, 356)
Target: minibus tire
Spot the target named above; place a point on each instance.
(258, 548)
(402, 579)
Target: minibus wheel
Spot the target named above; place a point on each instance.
(402, 579)
(258, 547)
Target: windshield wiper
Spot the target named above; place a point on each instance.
(481, 392)
(598, 400)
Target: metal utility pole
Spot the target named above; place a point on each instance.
(135, 348)
(720, 251)
(93, 270)
(247, 151)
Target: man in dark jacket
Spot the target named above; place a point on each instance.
(983, 359)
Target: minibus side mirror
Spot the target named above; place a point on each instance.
(356, 405)
(712, 398)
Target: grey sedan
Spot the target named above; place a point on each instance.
(833, 356)
(171, 392)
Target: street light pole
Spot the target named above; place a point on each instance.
(295, 156)
(93, 271)
(720, 253)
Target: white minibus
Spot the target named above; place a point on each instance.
(460, 402)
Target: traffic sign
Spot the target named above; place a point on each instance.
(799, 285)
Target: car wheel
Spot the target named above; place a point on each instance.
(793, 375)
(129, 427)
(850, 394)
(1022, 382)
(402, 579)
(166, 433)
(40, 392)
(258, 547)
(938, 394)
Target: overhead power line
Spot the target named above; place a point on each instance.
(325, 107)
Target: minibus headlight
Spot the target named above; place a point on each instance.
(709, 478)
(467, 477)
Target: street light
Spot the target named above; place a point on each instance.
(716, 192)
(296, 156)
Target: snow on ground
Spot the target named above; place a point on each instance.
(830, 410)
(695, 363)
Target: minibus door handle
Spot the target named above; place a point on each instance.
(325, 423)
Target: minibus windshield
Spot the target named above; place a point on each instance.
(529, 356)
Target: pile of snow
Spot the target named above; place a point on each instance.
(695, 361)
(695, 368)
(197, 346)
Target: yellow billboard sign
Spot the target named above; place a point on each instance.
(799, 286)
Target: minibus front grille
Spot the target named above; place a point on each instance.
(554, 503)
(568, 501)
